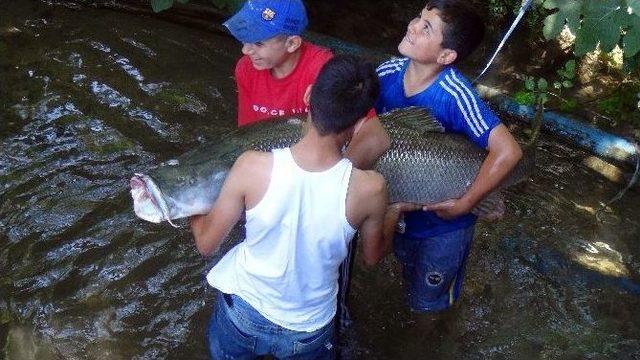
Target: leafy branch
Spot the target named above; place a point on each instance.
(538, 91)
(604, 22)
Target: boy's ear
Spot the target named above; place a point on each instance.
(307, 96)
(293, 43)
(447, 56)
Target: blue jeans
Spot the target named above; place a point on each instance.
(238, 331)
(433, 268)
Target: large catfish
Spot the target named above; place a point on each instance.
(424, 165)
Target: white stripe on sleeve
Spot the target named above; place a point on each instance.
(465, 102)
(473, 99)
(476, 131)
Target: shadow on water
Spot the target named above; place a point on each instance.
(89, 97)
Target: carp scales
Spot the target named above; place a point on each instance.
(424, 165)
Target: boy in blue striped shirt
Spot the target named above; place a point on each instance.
(434, 246)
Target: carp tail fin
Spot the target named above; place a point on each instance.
(492, 208)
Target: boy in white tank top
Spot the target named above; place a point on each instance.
(277, 288)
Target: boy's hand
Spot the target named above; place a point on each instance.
(404, 207)
(449, 209)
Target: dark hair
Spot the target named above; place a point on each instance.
(463, 26)
(345, 90)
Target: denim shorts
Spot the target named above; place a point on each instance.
(433, 267)
(238, 331)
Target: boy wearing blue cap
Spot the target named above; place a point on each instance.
(278, 66)
(434, 246)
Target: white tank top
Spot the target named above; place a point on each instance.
(297, 236)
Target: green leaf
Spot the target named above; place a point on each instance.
(568, 12)
(601, 23)
(159, 5)
(524, 98)
(567, 84)
(635, 6)
(592, 21)
(632, 37)
(529, 84)
(570, 67)
(543, 98)
(557, 85)
(542, 84)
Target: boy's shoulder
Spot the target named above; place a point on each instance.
(312, 50)
(392, 66)
(451, 76)
(459, 105)
(313, 57)
(367, 183)
(452, 84)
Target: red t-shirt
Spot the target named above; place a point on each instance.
(261, 96)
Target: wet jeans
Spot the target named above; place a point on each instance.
(433, 268)
(238, 331)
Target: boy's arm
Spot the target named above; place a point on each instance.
(368, 144)
(504, 154)
(210, 230)
(375, 200)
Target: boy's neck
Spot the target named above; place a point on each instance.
(419, 77)
(317, 153)
(287, 66)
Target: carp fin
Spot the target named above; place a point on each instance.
(416, 118)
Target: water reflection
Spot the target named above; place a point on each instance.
(90, 97)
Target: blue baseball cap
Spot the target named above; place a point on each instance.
(259, 20)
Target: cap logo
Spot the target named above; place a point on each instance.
(268, 14)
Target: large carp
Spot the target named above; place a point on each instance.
(423, 165)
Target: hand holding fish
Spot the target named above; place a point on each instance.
(404, 207)
(450, 209)
(393, 216)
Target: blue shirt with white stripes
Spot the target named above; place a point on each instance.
(454, 102)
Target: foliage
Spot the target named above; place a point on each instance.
(502, 8)
(537, 92)
(568, 104)
(160, 5)
(623, 103)
(500, 11)
(604, 22)
(524, 97)
(565, 76)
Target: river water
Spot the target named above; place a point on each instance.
(88, 97)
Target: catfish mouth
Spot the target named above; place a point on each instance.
(136, 183)
(145, 193)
